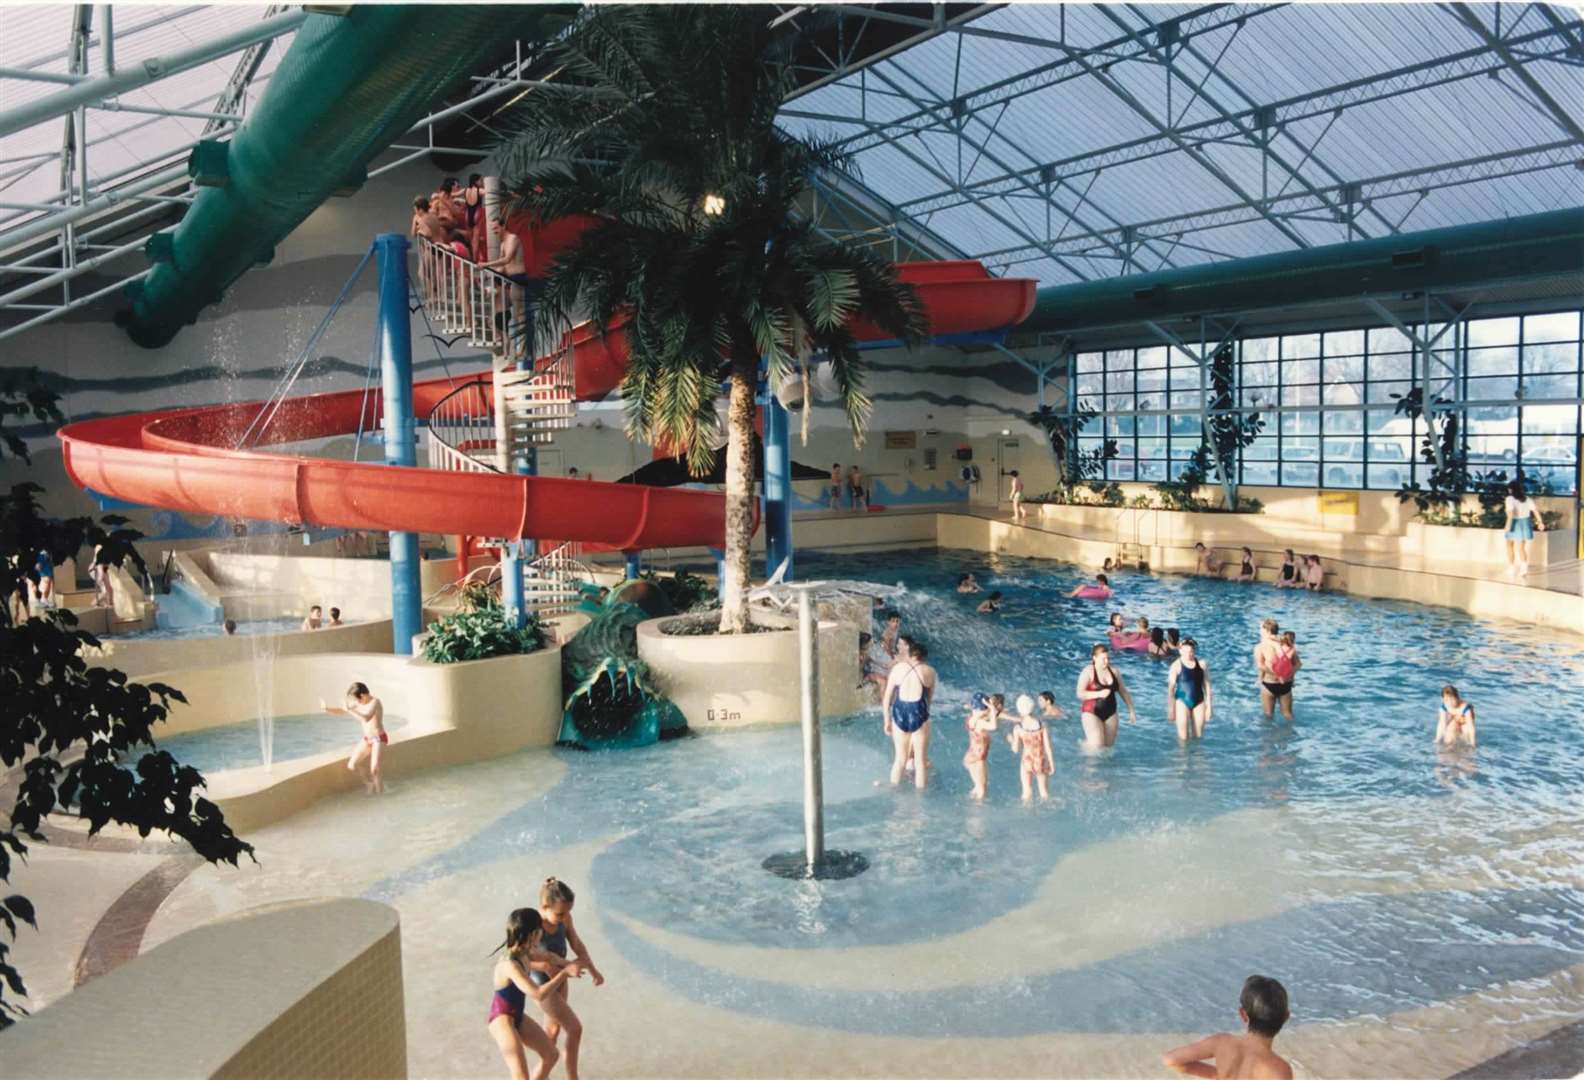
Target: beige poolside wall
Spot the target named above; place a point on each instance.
(454, 713)
(308, 988)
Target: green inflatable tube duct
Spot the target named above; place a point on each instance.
(1463, 255)
(347, 88)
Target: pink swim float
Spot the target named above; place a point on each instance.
(1130, 640)
(1093, 592)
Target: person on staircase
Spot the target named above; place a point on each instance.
(513, 265)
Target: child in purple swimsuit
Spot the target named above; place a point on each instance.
(514, 1032)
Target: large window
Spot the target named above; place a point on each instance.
(1329, 402)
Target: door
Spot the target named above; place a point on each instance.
(1007, 453)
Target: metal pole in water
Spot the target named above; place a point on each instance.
(813, 765)
(401, 435)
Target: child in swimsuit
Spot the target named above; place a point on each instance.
(990, 604)
(1032, 742)
(1455, 722)
(982, 720)
(370, 712)
(1249, 570)
(1284, 664)
(835, 486)
(549, 957)
(513, 1031)
(1263, 1008)
(1188, 694)
(1048, 707)
(1288, 577)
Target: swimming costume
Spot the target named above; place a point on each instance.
(1190, 685)
(383, 737)
(551, 942)
(1100, 708)
(1035, 760)
(1288, 571)
(978, 744)
(1248, 569)
(909, 716)
(1461, 716)
(508, 1001)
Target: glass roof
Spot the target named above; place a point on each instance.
(1071, 142)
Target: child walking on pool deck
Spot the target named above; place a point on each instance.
(549, 958)
(369, 712)
(513, 1031)
(1032, 742)
(1263, 1010)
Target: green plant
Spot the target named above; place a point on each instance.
(1227, 432)
(664, 133)
(684, 591)
(1062, 430)
(70, 731)
(479, 635)
(1107, 494)
(1141, 501)
(1448, 475)
(1183, 492)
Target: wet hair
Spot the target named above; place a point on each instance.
(1047, 697)
(447, 184)
(335, 613)
(962, 579)
(1189, 643)
(1265, 1001)
(1271, 625)
(555, 891)
(1097, 650)
(864, 639)
(315, 608)
(1451, 691)
(1172, 635)
(1143, 622)
(474, 178)
(421, 202)
(917, 648)
(230, 626)
(1158, 637)
(1290, 553)
(999, 701)
(1115, 620)
(521, 925)
(357, 690)
(1102, 579)
(995, 596)
(1289, 638)
(890, 613)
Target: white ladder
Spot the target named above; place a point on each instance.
(551, 582)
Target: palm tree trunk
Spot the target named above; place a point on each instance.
(739, 489)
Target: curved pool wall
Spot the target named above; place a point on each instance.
(455, 714)
(138, 655)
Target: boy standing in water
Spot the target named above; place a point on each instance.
(370, 712)
(1263, 1009)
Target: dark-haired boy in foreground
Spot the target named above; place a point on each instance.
(1263, 1008)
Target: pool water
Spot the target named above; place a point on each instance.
(250, 628)
(1341, 853)
(236, 746)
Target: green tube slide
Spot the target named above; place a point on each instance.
(1513, 249)
(347, 88)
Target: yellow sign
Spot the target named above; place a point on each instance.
(1338, 502)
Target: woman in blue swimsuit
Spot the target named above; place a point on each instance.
(906, 708)
(1188, 695)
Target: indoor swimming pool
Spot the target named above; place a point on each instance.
(237, 746)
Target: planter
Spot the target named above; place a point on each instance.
(1464, 544)
(744, 680)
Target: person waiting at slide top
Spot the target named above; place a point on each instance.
(1189, 697)
(369, 711)
(516, 1033)
(1455, 721)
(1263, 1009)
(905, 707)
(549, 957)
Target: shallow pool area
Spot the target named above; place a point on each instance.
(249, 628)
(1425, 909)
(239, 746)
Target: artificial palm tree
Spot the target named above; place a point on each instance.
(662, 125)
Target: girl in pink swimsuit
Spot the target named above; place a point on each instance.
(1032, 742)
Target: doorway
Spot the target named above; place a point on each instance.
(1008, 451)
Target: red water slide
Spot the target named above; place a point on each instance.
(184, 459)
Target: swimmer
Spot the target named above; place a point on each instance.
(1455, 722)
(1173, 639)
(1099, 589)
(1157, 643)
(1137, 639)
(1189, 700)
(873, 662)
(1117, 624)
(335, 617)
(1289, 577)
(982, 721)
(515, 1032)
(230, 627)
(1276, 662)
(1263, 1010)
(1031, 741)
(1099, 686)
(1048, 707)
(891, 634)
(905, 705)
(1019, 511)
(1109, 565)
(1314, 574)
(370, 712)
(990, 604)
(967, 583)
(1207, 562)
(549, 957)
(314, 619)
(1248, 570)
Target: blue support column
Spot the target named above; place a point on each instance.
(632, 569)
(777, 487)
(401, 433)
